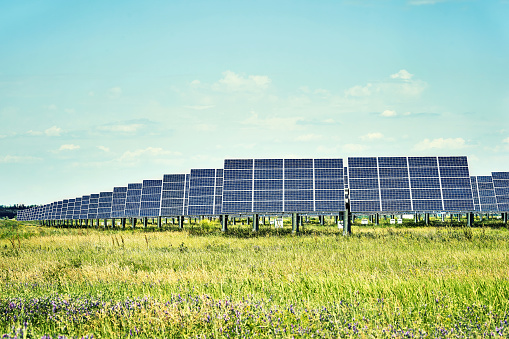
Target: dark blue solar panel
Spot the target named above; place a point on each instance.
(500, 175)
(328, 163)
(501, 187)
(329, 184)
(452, 161)
(422, 162)
(298, 206)
(396, 205)
(393, 172)
(423, 172)
(362, 173)
(202, 191)
(238, 164)
(298, 163)
(419, 194)
(394, 183)
(392, 162)
(364, 206)
(363, 183)
(454, 172)
(268, 174)
(361, 162)
(268, 163)
(427, 205)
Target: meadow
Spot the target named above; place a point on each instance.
(384, 281)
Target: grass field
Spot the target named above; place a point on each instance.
(379, 282)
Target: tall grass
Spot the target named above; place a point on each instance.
(381, 281)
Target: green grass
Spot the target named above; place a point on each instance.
(380, 282)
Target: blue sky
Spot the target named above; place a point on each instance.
(97, 94)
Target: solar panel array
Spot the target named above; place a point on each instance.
(283, 185)
(483, 192)
(375, 184)
(413, 184)
(501, 186)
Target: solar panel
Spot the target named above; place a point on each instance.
(501, 186)
(133, 200)
(85, 201)
(173, 194)
(77, 208)
(400, 184)
(475, 193)
(202, 191)
(283, 185)
(118, 202)
(486, 194)
(151, 198)
(93, 206)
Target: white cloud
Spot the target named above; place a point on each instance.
(115, 92)
(506, 140)
(441, 143)
(103, 148)
(52, 107)
(195, 83)
(232, 82)
(34, 132)
(68, 147)
(388, 113)
(18, 159)
(372, 136)
(53, 131)
(402, 74)
(359, 91)
(150, 152)
(70, 110)
(124, 128)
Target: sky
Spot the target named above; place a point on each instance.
(98, 94)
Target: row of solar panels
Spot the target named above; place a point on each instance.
(374, 184)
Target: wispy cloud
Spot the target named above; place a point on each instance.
(53, 131)
(155, 154)
(115, 92)
(104, 148)
(441, 143)
(15, 159)
(69, 147)
(388, 113)
(233, 82)
(402, 74)
(372, 136)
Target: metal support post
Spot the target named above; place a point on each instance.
(224, 223)
(470, 219)
(159, 223)
(145, 222)
(416, 218)
(113, 222)
(377, 219)
(347, 226)
(123, 223)
(426, 218)
(181, 222)
(295, 222)
(459, 217)
(505, 217)
(256, 223)
(321, 219)
(133, 223)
